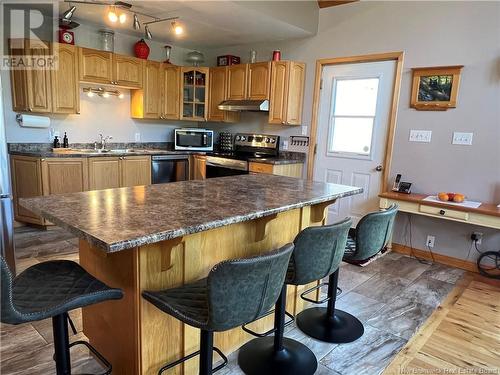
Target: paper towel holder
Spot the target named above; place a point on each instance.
(31, 121)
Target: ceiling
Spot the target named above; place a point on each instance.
(213, 23)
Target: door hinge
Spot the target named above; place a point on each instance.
(315, 149)
(321, 84)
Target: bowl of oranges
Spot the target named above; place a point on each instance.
(451, 197)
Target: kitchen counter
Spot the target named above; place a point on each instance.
(284, 157)
(120, 219)
(91, 153)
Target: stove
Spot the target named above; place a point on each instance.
(245, 146)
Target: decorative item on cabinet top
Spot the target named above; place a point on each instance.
(195, 58)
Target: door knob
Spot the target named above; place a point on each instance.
(379, 168)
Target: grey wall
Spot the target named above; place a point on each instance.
(110, 116)
(431, 34)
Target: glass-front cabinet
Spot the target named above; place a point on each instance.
(194, 93)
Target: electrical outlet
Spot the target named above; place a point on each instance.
(137, 137)
(285, 145)
(304, 130)
(430, 241)
(460, 138)
(420, 135)
(477, 237)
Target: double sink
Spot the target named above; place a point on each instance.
(112, 151)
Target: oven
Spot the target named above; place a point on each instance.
(194, 139)
(221, 167)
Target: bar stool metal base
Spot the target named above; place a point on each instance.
(258, 357)
(342, 328)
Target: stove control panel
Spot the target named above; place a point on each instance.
(257, 140)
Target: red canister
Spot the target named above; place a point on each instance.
(276, 55)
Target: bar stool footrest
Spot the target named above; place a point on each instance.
(314, 288)
(98, 355)
(168, 366)
(272, 330)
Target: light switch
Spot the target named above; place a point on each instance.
(304, 130)
(137, 137)
(420, 135)
(460, 138)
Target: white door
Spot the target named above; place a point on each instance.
(354, 113)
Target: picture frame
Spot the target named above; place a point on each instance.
(435, 88)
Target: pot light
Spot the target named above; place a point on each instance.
(137, 24)
(69, 14)
(122, 18)
(90, 94)
(148, 33)
(121, 96)
(112, 14)
(105, 95)
(178, 29)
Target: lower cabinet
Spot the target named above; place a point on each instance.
(288, 170)
(124, 171)
(198, 168)
(135, 170)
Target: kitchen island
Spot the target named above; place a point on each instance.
(160, 236)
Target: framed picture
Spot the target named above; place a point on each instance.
(435, 88)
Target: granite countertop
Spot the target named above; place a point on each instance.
(89, 154)
(123, 218)
(284, 157)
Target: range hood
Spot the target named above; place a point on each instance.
(245, 105)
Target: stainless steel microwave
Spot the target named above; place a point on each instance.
(194, 139)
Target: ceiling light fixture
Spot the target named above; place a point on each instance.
(69, 13)
(147, 33)
(137, 24)
(103, 93)
(122, 18)
(178, 29)
(112, 14)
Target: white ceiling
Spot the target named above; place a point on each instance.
(213, 23)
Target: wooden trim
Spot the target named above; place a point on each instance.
(438, 258)
(320, 63)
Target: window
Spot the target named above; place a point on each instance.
(353, 116)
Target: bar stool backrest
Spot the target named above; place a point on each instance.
(241, 290)
(318, 252)
(373, 232)
(9, 314)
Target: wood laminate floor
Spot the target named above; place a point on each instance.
(392, 296)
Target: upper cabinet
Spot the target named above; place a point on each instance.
(259, 77)
(194, 99)
(146, 102)
(287, 93)
(237, 82)
(46, 90)
(217, 94)
(110, 68)
(171, 92)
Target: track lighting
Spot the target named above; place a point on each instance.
(112, 14)
(122, 18)
(137, 24)
(148, 33)
(178, 30)
(69, 13)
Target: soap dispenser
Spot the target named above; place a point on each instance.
(57, 143)
(65, 141)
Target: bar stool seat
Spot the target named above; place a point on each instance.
(52, 288)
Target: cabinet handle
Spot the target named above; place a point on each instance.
(442, 212)
(30, 109)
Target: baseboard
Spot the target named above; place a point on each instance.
(439, 258)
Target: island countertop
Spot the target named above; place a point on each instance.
(123, 218)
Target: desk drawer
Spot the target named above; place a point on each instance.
(444, 212)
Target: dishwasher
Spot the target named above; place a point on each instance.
(169, 168)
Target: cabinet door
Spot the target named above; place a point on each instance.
(18, 78)
(104, 173)
(95, 66)
(65, 80)
(127, 71)
(64, 175)
(194, 100)
(237, 82)
(38, 80)
(279, 88)
(135, 170)
(152, 89)
(259, 77)
(171, 92)
(198, 167)
(295, 97)
(26, 183)
(218, 81)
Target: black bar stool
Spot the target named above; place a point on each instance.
(318, 252)
(50, 290)
(235, 292)
(324, 323)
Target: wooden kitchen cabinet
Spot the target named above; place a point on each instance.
(135, 170)
(127, 71)
(64, 175)
(194, 97)
(95, 66)
(237, 82)
(146, 102)
(31, 88)
(259, 77)
(217, 94)
(171, 92)
(198, 167)
(65, 81)
(287, 92)
(289, 170)
(104, 173)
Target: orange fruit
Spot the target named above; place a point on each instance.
(443, 197)
(458, 198)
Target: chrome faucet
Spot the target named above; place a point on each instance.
(102, 141)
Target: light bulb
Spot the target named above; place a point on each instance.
(123, 18)
(105, 95)
(178, 30)
(112, 15)
(121, 96)
(90, 94)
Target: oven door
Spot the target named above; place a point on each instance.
(194, 139)
(220, 167)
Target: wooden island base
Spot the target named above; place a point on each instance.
(135, 336)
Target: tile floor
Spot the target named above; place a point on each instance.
(392, 296)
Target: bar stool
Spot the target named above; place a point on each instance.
(235, 292)
(50, 290)
(317, 253)
(327, 243)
